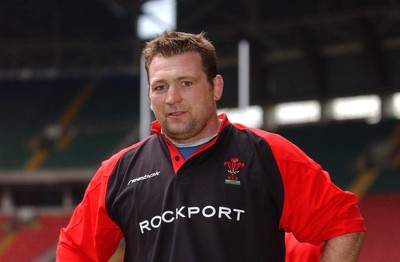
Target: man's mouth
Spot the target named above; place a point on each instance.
(177, 113)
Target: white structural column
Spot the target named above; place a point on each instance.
(145, 112)
(244, 74)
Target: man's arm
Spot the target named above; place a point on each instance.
(91, 235)
(344, 248)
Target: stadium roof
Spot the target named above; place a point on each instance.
(299, 49)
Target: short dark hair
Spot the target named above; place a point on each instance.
(175, 43)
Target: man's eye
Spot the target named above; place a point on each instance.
(186, 83)
(159, 88)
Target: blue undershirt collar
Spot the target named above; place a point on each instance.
(187, 149)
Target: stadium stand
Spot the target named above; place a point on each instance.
(340, 147)
(32, 108)
(109, 115)
(31, 240)
(27, 107)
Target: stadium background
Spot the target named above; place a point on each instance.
(69, 98)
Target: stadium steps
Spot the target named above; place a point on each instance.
(336, 146)
(71, 111)
(107, 118)
(6, 234)
(378, 160)
(28, 107)
(32, 241)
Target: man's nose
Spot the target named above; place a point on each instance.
(173, 95)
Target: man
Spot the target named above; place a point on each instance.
(202, 188)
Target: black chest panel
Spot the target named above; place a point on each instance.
(224, 204)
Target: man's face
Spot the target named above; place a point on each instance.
(182, 99)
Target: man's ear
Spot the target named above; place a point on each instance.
(218, 87)
(148, 95)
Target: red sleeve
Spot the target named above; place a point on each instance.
(90, 235)
(314, 208)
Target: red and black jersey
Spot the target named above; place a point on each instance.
(231, 200)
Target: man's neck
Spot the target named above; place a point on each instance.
(196, 140)
(195, 143)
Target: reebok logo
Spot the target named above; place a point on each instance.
(144, 177)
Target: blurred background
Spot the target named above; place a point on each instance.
(324, 74)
